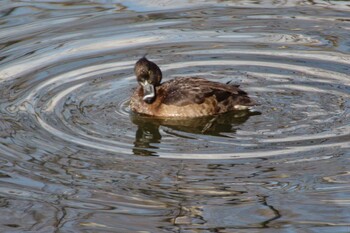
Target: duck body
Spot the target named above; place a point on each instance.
(184, 96)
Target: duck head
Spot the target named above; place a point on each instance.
(149, 76)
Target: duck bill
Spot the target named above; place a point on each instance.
(148, 92)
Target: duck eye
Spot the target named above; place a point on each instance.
(151, 77)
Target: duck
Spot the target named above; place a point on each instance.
(183, 97)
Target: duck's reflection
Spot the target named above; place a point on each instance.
(148, 135)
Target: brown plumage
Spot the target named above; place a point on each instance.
(183, 96)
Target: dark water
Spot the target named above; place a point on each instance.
(74, 159)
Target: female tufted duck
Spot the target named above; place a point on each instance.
(183, 96)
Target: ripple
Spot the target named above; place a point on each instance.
(87, 106)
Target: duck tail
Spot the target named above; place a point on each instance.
(230, 83)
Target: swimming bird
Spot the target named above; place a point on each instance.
(183, 96)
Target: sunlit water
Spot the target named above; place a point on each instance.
(75, 159)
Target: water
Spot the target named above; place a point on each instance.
(74, 159)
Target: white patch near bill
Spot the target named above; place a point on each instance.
(241, 107)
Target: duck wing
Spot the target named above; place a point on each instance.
(193, 90)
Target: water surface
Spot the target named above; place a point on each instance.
(73, 158)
